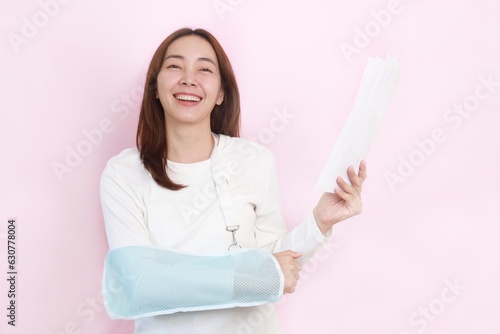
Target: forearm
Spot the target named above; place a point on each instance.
(325, 229)
(307, 238)
(144, 281)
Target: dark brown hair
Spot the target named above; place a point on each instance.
(151, 137)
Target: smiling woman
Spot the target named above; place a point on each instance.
(174, 70)
(197, 240)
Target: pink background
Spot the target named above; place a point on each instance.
(86, 63)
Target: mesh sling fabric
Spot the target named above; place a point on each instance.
(144, 281)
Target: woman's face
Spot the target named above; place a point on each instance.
(189, 82)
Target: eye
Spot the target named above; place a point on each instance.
(173, 66)
(206, 69)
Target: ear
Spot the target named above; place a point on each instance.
(220, 98)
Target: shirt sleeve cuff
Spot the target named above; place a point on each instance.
(313, 227)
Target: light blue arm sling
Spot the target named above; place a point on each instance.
(140, 281)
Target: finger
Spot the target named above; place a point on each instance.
(289, 252)
(362, 170)
(346, 187)
(356, 181)
(342, 194)
(295, 255)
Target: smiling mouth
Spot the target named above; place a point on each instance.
(190, 98)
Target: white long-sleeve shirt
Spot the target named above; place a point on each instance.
(139, 212)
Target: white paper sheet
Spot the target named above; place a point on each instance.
(377, 88)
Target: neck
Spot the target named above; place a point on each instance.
(189, 145)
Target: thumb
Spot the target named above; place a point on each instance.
(293, 254)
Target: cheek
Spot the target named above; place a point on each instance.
(161, 82)
(163, 85)
(212, 86)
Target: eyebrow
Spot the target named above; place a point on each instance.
(182, 58)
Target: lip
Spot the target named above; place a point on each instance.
(188, 94)
(187, 103)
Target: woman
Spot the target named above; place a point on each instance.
(197, 240)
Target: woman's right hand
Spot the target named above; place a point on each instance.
(290, 268)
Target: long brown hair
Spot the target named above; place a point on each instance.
(151, 137)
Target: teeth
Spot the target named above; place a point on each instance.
(188, 98)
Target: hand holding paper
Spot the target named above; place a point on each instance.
(344, 203)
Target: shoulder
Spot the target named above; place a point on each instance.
(125, 165)
(245, 151)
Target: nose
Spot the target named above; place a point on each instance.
(188, 79)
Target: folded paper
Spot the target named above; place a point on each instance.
(377, 88)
